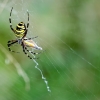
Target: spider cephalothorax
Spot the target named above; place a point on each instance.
(20, 32)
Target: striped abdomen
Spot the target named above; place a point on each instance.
(20, 30)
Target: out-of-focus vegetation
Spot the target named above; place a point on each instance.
(69, 32)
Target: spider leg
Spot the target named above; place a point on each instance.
(30, 38)
(10, 43)
(26, 26)
(28, 20)
(24, 48)
(10, 21)
(31, 51)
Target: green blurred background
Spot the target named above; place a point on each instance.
(69, 32)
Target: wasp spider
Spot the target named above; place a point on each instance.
(20, 32)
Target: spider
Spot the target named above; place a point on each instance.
(20, 32)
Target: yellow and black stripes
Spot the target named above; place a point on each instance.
(20, 32)
(21, 26)
(21, 29)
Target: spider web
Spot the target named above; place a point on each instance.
(68, 33)
(17, 17)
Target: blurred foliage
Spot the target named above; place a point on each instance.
(69, 33)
